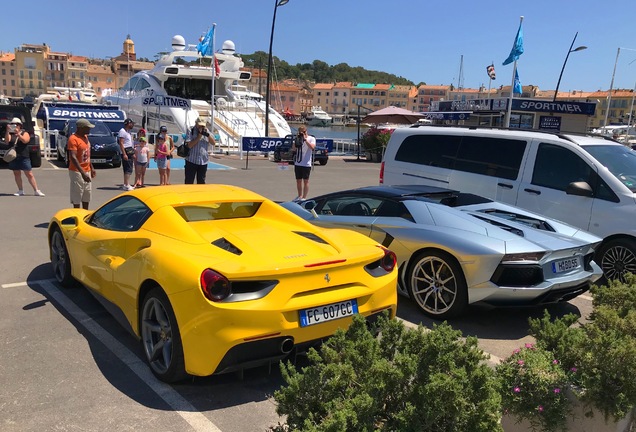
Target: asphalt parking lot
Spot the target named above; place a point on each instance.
(66, 365)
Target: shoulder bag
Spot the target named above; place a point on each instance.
(11, 153)
(183, 150)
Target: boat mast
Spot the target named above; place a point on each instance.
(460, 79)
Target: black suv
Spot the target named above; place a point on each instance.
(7, 113)
(104, 146)
(283, 152)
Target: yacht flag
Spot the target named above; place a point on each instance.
(517, 86)
(217, 68)
(490, 70)
(517, 46)
(205, 47)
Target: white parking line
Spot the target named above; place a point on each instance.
(13, 285)
(190, 414)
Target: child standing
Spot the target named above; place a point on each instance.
(161, 156)
(136, 144)
(141, 162)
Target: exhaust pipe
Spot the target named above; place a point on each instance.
(287, 345)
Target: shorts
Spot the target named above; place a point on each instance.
(20, 163)
(162, 163)
(141, 164)
(81, 191)
(127, 165)
(302, 172)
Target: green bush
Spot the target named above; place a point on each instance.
(402, 380)
(598, 357)
(533, 387)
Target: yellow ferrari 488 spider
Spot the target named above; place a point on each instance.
(215, 278)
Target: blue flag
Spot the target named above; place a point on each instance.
(517, 88)
(204, 47)
(517, 47)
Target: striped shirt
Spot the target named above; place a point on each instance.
(199, 153)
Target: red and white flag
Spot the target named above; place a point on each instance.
(491, 71)
(217, 68)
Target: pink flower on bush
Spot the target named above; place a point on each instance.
(555, 361)
(520, 362)
(540, 408)
(516, 390)
(573, 369)
(557, 390)
(517, 351)
(529, 346)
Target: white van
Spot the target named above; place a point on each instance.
(586, 181)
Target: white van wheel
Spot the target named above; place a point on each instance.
(617, 258)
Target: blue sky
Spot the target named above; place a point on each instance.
(417, 39)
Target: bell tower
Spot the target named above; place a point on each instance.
(129, 49)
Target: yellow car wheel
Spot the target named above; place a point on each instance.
(161, 338)
(60, 260)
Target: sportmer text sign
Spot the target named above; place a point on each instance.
(267, 144)
(167, 101)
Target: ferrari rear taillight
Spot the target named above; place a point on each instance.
(382, 173)
(215, 286)
(388, 260)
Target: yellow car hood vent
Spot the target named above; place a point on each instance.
(227, 246)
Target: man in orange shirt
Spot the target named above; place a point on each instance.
(80, 168)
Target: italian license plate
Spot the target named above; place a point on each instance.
(98, 160)
(328, 312)
(566, 265)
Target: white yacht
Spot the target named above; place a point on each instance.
(176, 95)
(319, 117)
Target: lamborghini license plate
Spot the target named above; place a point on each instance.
(566, 265)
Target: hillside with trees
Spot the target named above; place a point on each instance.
(321, 72)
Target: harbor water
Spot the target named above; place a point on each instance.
(345, 138)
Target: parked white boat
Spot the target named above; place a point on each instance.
(318, 117)
(175, 95)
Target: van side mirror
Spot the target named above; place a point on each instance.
(579, 189)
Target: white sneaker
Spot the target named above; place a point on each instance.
(38, 193)
(129, 188)
(19, 193)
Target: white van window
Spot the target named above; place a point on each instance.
(495, 157)
(619, 160)
(556, 167)
(431, 150)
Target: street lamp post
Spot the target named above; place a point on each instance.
(609, 96)
(269, 64)
(579, 48)
(358, 121)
